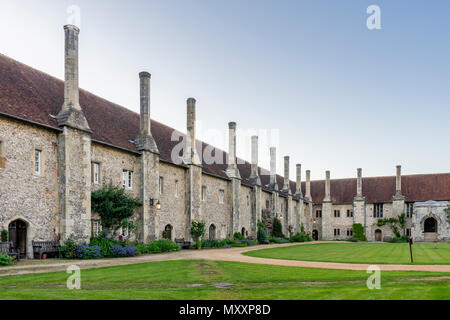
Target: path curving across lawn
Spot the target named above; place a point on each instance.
(360, 252)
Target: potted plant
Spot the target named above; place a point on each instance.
(197, 232)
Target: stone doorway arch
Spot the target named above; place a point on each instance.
(30, 232)
(378, 235)
(430, 225)
(168, 232)
(212, 232)
(315, 235)
(17, 232)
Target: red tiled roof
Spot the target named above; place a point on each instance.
(419, 187)
(35, 96)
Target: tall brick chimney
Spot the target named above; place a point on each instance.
(71, 113)
(359, 184)
(273, 168)
(232, 169)
(190, 154)
(327, 186)
(398, 181)
(286, 185)
(145, 139)
(254, 175)
(298, 191)
(308, 185)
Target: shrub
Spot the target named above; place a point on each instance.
(5, 260)
(238, 236)
(163, 245)
(114, 206)
(277, 229)
(123, 250)
(262, 233)
(4, 235)
(353, 239)
(69, 248)
(398, 239)
(301, 236)
(86, 251)
(106, 245)
(197, 230)
(278, 240)
(358, 232)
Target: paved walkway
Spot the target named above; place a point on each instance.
(231, 254)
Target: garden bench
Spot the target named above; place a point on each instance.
(41, 247)
(183, 244)
(7, 248)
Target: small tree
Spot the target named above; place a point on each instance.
(358, 232)
(197, 231)
(115, 207)
(277, 228)
(262, 233)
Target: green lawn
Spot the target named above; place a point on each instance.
(373, 253)
(172, 280)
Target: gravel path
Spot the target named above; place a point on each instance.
(231, 254)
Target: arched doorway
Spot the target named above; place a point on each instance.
(430, 225)
(17, 231)
(168, 232)
(315, 235)
(212, 232)
(378, 235)
(243, 232)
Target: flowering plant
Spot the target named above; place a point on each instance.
(85, 251)
(123, 250)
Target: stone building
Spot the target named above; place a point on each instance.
(58, 143)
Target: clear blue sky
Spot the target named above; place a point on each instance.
(341, 96)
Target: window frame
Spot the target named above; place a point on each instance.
(127, 179)
(38, 162)
(95, 175)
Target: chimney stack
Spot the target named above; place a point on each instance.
(71, 113)
(254, 175)
(71, 90)
(273, 168)
(145, 139)
(308, 184)
(286, 187)
(232, 170)
(191, 155)
(299, 181)
(398, 181)
(327, 186)
(359, 184)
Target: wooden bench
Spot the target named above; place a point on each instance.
(7, 248)
(183, 244)
(41, 247)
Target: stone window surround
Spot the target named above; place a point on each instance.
(161, 185)
(176, 188)
(221, 196)
(93, 163)
(204, 193)
(337, 213)
(40, 148)
(2, 153)
(129, 183)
